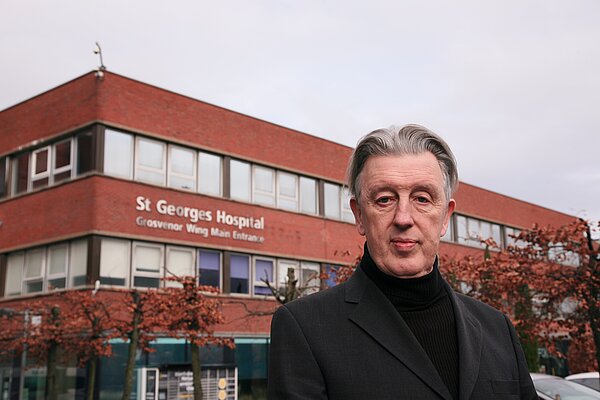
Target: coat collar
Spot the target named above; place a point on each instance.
(377, 317)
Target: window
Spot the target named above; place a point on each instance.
(448, 236)
(3, 176)
(34, 270)
(180, 263)
(14, 274)
(287, 191)
(209, 174)
(510, 235)
(263, 271)
(118, 152)
(182, 168)
(86, 146)
(40, 167)
(20, 173)
(286, 269)
(57, 266)
(263, 183)
(239, 273)
(209, 268)
(150, 164)
(332, 200)
(347, 214)
(147, 264)
(63, 160)
(311, 283)
(78, 263)
(308, 195)
(239, 188)
(114, 262)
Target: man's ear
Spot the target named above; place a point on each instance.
(357, 216)
(449, 211)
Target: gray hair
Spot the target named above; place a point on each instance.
(407, 139)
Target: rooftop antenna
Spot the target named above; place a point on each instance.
(100, 70)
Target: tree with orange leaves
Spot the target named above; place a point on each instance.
(190, 311)
(548, 283)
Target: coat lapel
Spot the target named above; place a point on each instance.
(378, 317)
(468, 332)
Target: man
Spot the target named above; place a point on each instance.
(395, 330)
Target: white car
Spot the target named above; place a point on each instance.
(550, 387)
(589, 379)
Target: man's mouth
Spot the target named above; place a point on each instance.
(404, 244)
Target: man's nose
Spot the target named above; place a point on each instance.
(403, 214)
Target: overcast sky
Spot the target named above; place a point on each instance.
(513, 86)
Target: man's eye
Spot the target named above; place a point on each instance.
(422, 200)
(384, 200)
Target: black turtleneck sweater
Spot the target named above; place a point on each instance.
(425, 306)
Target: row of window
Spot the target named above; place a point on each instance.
(46, 268)
(473, 231)
(160, 163)
(126, 263)
(143, 264)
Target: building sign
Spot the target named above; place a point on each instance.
(202, 222)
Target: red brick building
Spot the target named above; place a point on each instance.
(117, 181)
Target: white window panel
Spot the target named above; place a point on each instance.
(150, 165)
(35, 265)
(118, 154)
(210, 167)
(209, 268)
(78, 263)
(263, 183)
(58, 259)
(347, 214)
(239, 180)
(448, 236)
(287, 191)
(263, 270)
(182, 168)
(461, 228)
(310, 281)
(115, 261)
(308, 195)
(283, 269)
(180, 263)
(40, 167)
(148, 260)
(239, 273)
(332, 200)
(62, 160)
(14, 274)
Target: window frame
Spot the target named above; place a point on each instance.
(256, 275)
(38, 278)
(60, 170)
(39, 176)
(200, 185)
(144, 273)
(20, 267)
(256, 192)
(220, 257)
(127, 267)
(302, 199)
(169, 249)
(248, 293)
(63, 275)
(138, 167)
(336, 202)
(248, 179)
(282, 197)
(132, 144)
(172, 174)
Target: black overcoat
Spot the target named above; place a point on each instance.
(349, 342)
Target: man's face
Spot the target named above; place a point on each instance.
(403, 212)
